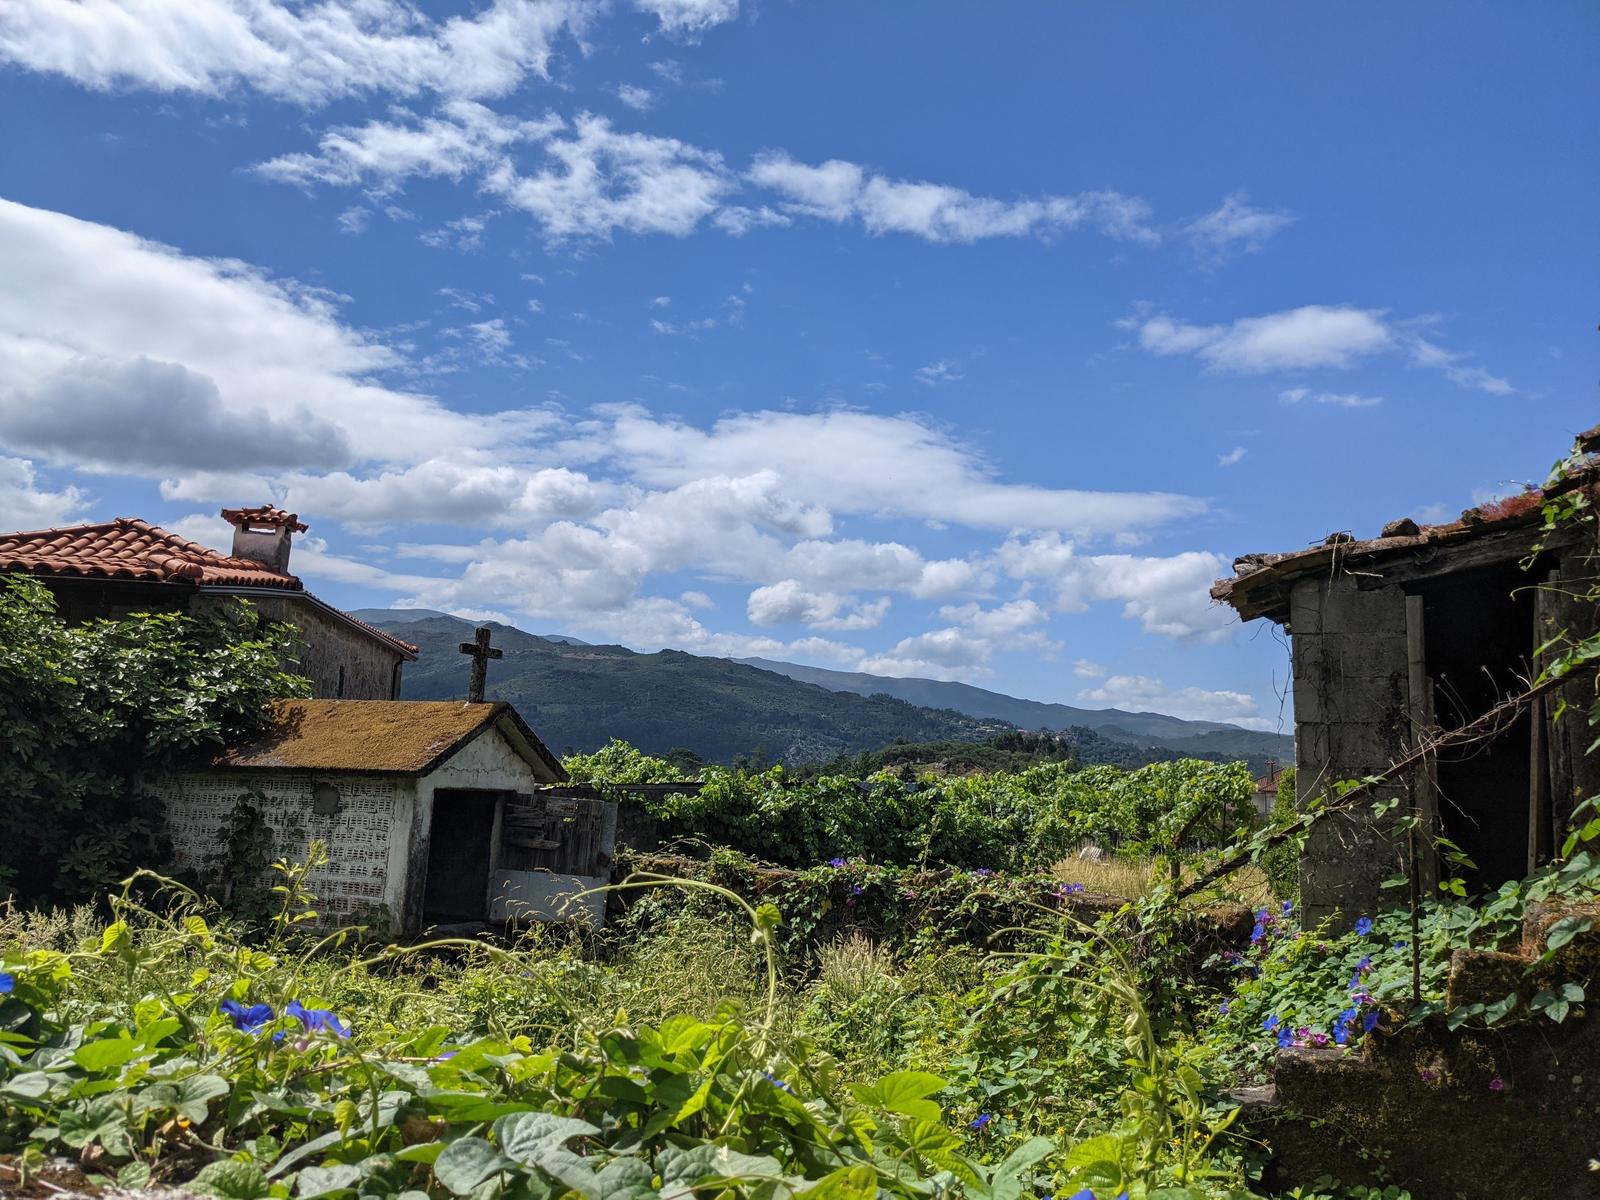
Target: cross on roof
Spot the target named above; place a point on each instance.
(481, 653)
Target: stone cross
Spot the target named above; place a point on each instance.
(481, 653)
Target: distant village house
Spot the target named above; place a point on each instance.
(127, 565)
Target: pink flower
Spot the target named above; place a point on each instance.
(1497, 1084)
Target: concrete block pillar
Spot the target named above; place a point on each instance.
(1352, 719)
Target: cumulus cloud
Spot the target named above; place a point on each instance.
(87, 304)
(167, 418)
(936, 373)
(789, 602)
(1315, 335)
(1233, 457)
(1303, 395)
(1334, 337)
(965, 648)
(688, 18)
(307, 54)
(885, 465)
(1166, 594)
(1232, 227)
(842, 191)
(1140, 693)
(639, 99)
(25, 503)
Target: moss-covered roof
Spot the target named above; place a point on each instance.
(404, 737)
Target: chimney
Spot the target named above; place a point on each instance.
(263, 534)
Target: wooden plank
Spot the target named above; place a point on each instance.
(1425, 780)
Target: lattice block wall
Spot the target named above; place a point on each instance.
(359, 836)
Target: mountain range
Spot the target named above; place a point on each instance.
(579, 696)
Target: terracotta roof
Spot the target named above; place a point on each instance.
(265, 514)
(392, 737)
(128, 548)
(1261, 582)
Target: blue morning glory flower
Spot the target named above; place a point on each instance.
(1270, 1024)
(777, 1083)
(1370, 1022)
(981, 1120)
(1223, 1008)
(315, 1019)
(1086, 1194)
(1364, 926)
(247, 1018)
(1258, 934)
(1285, 1036)
(7, 982)
(1288, 907)
(1401, 945)
(836, 862)
(1074, 888)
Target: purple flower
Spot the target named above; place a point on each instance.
(1362, 968)
(1497, 1084)
(7, 983)
(1073, 888)
(1427, 1076)
(1363, 926)
(1401, 945)
(1258, 934)
(247, 1019)
(983, 871)
(981, 1120)
(1287, 907)
(856, 891)
(1223, 1008)
(836, 862)
(315, 1019)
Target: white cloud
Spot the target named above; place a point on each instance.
(843, 191)
(1302, 395)
(600, 181)
(1457, 369)
(86, 303)
(303, 53)
(789, 602)
(25, 504)
(965, 649)
(1140, 693)
(354, 220)
(936, 373)
(1235, 225)
(1169, 594)
(1315, 335)
(1232, 457)
(462, 138)
(687, 18)
(1084, 669)
(639, 99)
(866, 463)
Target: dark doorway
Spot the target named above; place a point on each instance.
(460, 855)
(1479, 643)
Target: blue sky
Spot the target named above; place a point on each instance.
(966, 341)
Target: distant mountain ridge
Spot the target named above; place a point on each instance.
(579, 696)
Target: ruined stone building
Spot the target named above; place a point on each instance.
(1425, 629)
(127, 565)
(432, 812)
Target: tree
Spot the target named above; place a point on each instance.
(86, 710)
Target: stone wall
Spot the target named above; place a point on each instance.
(1352, 718)
(342, 662)
(368, 837)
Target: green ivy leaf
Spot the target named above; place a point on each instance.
(467, 1162)
(903, 1092)
(522, 1135)
(231, 1180)
(326, 1181)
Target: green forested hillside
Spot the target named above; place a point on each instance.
(580, 697)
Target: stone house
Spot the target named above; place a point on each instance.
(431, 811)
(1265, 790)
(127, 565)
(1420, 630)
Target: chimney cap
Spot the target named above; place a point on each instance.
(267, 514)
